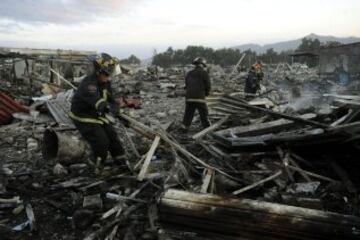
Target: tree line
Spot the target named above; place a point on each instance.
(131, 60)
(230, 56)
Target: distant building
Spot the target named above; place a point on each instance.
(345, 57)
(20, 63)
(340, 63)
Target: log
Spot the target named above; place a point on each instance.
(212, 215)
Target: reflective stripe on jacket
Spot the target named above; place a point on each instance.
(91, 100)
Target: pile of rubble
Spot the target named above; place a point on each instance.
(296, 73)
(263, 169)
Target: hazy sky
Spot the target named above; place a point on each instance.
(122, 27)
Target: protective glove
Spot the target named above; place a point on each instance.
(103, 108)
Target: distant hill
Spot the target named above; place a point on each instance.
(293, 44)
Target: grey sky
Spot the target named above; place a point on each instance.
(56, 11)
(139, 26)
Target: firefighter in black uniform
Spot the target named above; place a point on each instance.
(251, 84)
(198, 86)
(255, 76)
(89, 108)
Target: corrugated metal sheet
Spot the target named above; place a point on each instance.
(60, 107)
(7, 107)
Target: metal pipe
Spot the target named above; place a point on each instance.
(64, 147)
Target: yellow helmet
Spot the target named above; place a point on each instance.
(105, 64)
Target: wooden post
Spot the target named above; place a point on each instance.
(237, 64)
(63, 79)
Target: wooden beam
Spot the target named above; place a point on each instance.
(273, 113)
(263, 128)
(63, 79)
(176, 146)
(348, 102)
(247, 188)
(346, 97)
(235, 218)
(302, 173)
(208, 174)
(237, 64)
(285, 160)
(210, 128)
(149, 155)
(313, 174)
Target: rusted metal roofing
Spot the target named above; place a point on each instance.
(7, 107)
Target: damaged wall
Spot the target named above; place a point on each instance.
(344, 57)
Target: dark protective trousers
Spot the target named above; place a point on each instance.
(102, 139)
(190, 109)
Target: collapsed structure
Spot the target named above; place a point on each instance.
(282, 165)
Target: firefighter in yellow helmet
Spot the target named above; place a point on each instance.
(91, 103)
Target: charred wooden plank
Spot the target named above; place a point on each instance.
(244, 217)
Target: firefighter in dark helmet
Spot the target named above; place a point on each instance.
(197, 85)
(90, 106)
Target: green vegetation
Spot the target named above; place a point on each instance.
(131, 60)
(230, 56)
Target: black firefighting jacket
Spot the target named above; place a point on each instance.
(197, 84)
(92, 100)
(252, 83)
